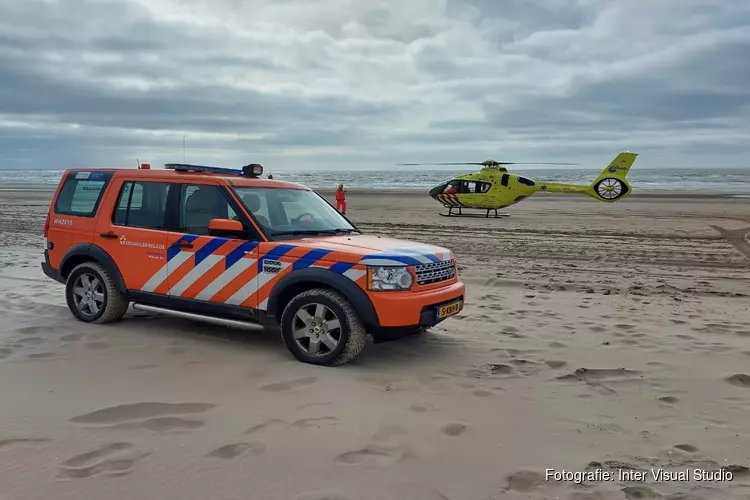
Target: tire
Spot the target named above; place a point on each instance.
(349, 335)
(113, 304)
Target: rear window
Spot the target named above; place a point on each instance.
(81, 193)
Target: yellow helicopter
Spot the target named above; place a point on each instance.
(493, 188)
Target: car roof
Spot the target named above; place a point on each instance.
(171, 175)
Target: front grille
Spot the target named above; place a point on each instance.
(435, 272)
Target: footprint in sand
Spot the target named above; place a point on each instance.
(482, 393)
(111, 459)
(267, 425)
(152, 416)
(639, 492)
(291, 384)
(387, 447)
(237, 449)
(372, 454)
(740, 380)
(524, 481)
(687, 447)
(453, 429)
(419, 408)
(305, 423)
(668, 399)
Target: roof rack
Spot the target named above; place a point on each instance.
(251, 170)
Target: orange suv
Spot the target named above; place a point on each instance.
(224, 246)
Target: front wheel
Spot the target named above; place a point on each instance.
(320, 327)
(92, 295)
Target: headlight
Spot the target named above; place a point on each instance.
(389, 278)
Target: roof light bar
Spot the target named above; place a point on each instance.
(252, 170)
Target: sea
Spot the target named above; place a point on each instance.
(709, 181)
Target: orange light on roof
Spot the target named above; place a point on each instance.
(146, 166)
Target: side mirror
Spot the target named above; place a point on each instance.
(225, 226)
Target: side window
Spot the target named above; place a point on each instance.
(466, 187)
(483, 187)
(142, 205)
(199, 204)
(81, 193)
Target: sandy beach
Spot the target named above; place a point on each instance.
(596, 337)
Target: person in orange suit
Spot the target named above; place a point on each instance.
(341, 199)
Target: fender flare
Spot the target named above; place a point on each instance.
(97, 254)
(359, 299)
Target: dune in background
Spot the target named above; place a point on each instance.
(595, 336)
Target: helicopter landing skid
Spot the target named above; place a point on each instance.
(478, 216)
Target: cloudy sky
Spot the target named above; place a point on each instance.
(366, 84)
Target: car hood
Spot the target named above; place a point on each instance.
(379, 250)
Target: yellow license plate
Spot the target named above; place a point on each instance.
(449, 309)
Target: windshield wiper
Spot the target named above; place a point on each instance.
(316, 231)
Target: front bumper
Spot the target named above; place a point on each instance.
(413, 309)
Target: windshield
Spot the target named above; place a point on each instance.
(292, 213)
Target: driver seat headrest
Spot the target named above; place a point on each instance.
(252, 201)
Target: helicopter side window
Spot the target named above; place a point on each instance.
(467, 187)
(483, 187)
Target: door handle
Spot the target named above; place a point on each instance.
(108, 235)
(183, 245)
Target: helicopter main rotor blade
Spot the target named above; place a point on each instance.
(533, 163)
(413, 164)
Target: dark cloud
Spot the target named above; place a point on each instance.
(322, 83)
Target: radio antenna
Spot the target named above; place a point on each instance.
(138, 162)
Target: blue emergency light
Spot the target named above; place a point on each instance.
(251, 170)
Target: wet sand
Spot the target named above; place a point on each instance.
(610, 337)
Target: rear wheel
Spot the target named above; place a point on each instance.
(92, 295)
(320, 327)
